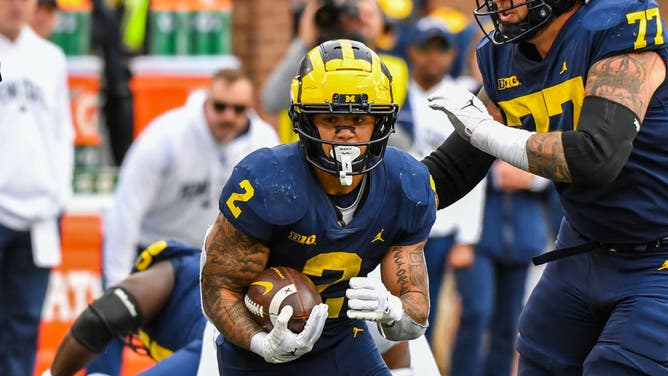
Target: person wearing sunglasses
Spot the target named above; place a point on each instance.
(172, 175)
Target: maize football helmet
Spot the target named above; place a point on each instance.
(342, 77)
(541, 12)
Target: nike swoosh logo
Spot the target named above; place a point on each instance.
(268, 286)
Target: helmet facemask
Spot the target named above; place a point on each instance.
(540, 13)
(349, 85)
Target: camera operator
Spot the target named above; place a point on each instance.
(319, 20)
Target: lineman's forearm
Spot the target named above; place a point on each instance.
(545, 153)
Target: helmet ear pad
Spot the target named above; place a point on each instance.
(384, 127)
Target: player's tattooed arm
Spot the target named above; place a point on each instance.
(545, 153)
(629, 79)
(232, 262)
(404, 274)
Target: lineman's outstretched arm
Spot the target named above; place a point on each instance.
(122, 310)
(617, 94)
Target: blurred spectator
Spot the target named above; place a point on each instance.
(466, 35)
(360, 20)
(431, 53)
(45, 19)
(169, 186)
(170, 181)
(492, 289)
(117, 106)
(36, 150)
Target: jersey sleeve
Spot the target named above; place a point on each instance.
(261, 193)
(419, 207)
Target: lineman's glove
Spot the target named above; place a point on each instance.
(281, 344)
(368, 299)
(465, 111)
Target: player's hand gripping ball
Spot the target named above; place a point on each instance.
(276, 287)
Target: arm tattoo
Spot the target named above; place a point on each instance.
(409, 280)
(546, 156)
(628, 79)
(232, 262)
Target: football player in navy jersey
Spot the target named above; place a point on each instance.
(334, 205)
(581, 89)
(159, 300)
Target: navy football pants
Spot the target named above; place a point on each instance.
(597, 313)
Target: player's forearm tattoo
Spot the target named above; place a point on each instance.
(624, 79)
(411, 276)
(232, 262)
(546, 156)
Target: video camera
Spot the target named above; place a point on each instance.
(328, 18)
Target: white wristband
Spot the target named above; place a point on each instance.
(505, 143)
(403, 329)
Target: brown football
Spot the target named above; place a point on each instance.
(276, 287)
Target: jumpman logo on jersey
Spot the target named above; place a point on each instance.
(664, 266)
(564, 68)
(378, 237)
(356, 330)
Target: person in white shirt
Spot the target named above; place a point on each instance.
(171, 178)
(36, 150)
(431, 53)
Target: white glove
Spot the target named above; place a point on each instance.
(368, 299)
(464, 109)
(281, 345)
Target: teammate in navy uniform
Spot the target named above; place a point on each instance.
(334, 205)
(581, 87)
(160, 300)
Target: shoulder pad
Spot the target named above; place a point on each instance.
(162, 250)
(416, 183)
(270, 183)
